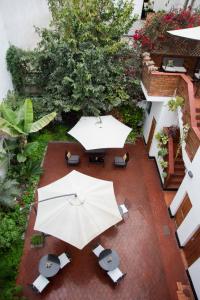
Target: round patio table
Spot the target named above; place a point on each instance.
(49, 265)
(108, 259)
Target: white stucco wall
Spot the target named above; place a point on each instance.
(19, 18)
(194, 271)
(168, 4)
(138, 5)
(191, 186)
(5, 78)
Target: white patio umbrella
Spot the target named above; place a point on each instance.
(189, 33)
(77, 208)
(100, 132)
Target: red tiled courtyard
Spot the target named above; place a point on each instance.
(145, 242)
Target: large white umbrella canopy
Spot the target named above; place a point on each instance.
(77, 219)
(100, 132)
(189, 33)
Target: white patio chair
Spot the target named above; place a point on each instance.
(116, 275)
(98, 250)
(123, 210)
(64, 259)
(40, 283)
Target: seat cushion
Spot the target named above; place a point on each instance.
(119, 161)
(74, 159)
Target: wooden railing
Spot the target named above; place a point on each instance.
(165, 85)
(171, 161)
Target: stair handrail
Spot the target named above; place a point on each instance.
(171, 162)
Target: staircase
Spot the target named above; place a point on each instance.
(197, 110)
(176, 168)
(176, 178)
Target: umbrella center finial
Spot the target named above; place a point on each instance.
(99, 122)
(76, 200)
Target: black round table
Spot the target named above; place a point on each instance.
(108, 259)
(49, 265)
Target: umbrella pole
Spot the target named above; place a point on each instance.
(73, 194)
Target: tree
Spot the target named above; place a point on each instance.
(79, 65)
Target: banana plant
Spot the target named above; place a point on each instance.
(20, 123)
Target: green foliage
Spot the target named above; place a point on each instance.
(9, 231)
(162, 152)
(163, 164)
(162, 138)
(20, 122)
(77, 65)
(164, 175)
(37, 239)
(9, 190)
(14, 63)
(173, 104)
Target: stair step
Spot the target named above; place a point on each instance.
(197, 109)
(179, 173)
(172, 186)
(175, 180)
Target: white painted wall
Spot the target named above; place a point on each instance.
(138, 5)
(19, 18)
(194, 271)
(191, 186)
(5, 78)
(168, 4)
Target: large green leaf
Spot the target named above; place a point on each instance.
(20, 115)
(21, 158)
(9, 129)
(8, 114)
(41, 123)
(28, 115)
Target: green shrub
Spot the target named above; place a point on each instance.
(173, 104)
(37, 239)
(10, 232)
(162, 152)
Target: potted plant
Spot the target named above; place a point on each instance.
(37, 240)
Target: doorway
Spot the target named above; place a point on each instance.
(192, 248)
(183, 210)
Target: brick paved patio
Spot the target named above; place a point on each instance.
(150, 257)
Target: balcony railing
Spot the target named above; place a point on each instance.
(168, 84)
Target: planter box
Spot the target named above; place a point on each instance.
(36, 245)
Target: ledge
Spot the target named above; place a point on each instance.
(153, 98)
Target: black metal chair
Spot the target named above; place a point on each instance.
(121, 161)
(72, 159)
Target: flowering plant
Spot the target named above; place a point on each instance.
(154, 34)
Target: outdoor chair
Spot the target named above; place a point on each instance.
(121, 161)
(116, 275)
(72, 159)
(39, 284)
(98, 249)
(64, 259)
(123, 210)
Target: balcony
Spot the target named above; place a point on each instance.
(161, 84)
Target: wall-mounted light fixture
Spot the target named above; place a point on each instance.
(190, 174)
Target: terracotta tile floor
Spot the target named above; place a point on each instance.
(150, 257)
